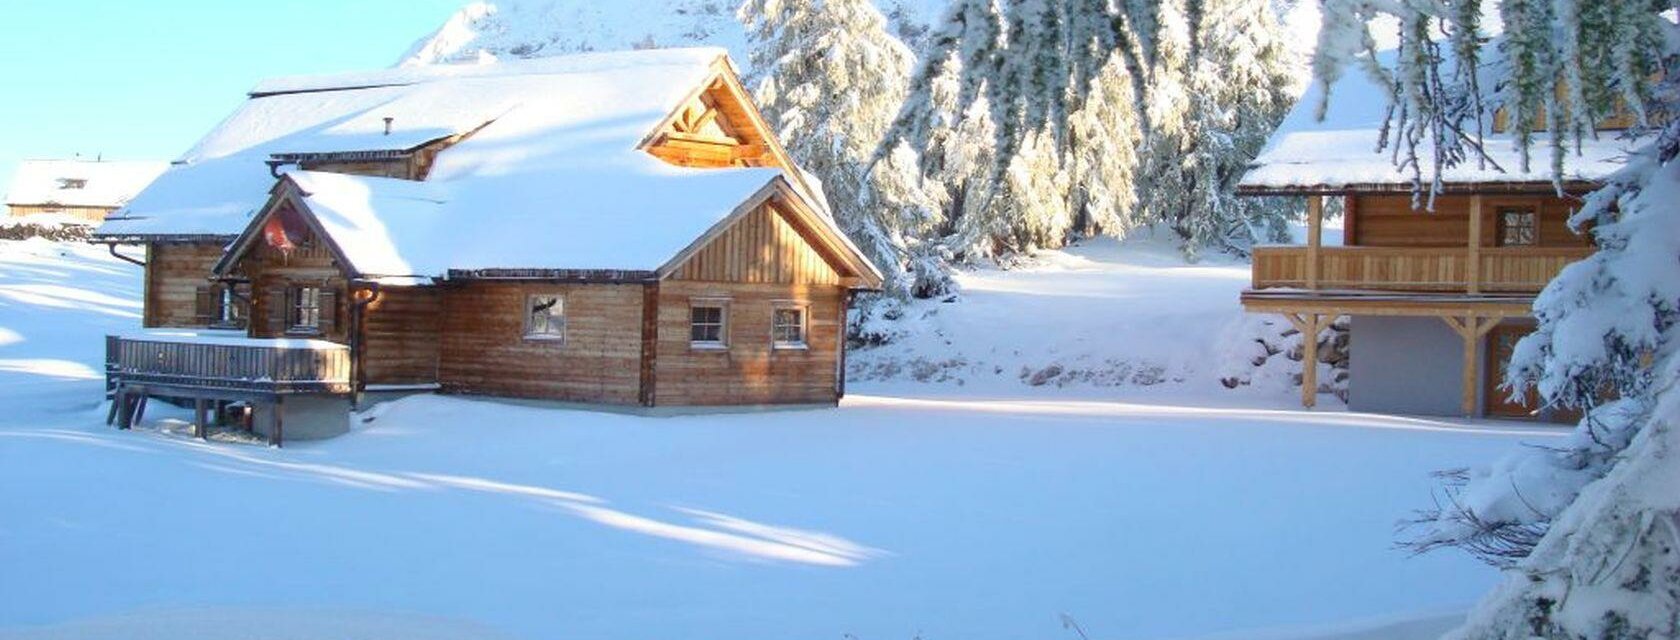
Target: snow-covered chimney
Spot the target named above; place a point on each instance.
(388, 120)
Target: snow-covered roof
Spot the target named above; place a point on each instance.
(587, 219)
(1307, 154)
(80, 183)
(533, 120)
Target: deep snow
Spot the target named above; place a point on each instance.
(934, 510)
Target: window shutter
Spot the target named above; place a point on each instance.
(279, 309)
(204, 305)
(329, 311)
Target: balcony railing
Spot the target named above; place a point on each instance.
(231, 362)
(1501, 270)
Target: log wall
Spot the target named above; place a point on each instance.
(273, 273)
(485, 351)
(750, 370)
(1390, 221)
(400, 336)
(174, 274)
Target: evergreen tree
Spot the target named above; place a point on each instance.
(1582, 523)
(831, 81)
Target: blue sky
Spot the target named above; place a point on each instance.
(143, 79)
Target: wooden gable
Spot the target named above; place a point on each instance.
(716, 128)
(765, 246)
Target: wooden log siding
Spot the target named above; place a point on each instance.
(750, 370)
(273, 274)
(1503, 270)
(1390, 221)
(484, 349)
(174, 274)
(401, 334)
(263, 368)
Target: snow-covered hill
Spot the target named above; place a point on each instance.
(531, 28)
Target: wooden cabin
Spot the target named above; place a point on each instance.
(608, 229)
(1438, 293)
(79, 190)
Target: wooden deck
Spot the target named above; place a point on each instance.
(252, 368)
(1435, 270)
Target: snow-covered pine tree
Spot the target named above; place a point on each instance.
(1219, 89)
(1592, 527)
(830, 81)
(1102, 154)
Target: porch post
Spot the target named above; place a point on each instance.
(1471, 329)
(1315, 237)
(1473, 259)
(1309, 326)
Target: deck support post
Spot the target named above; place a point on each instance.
(1471, 329)
(201, 419)
(1309, 325)
(1315, 237)
(1473, 258)
(277, 438)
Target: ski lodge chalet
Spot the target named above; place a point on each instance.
(82, 190)
(604, 228)
(1437, 299)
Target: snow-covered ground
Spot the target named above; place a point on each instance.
(986, 510)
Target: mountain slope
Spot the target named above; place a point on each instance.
(534, 28)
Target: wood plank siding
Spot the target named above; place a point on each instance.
(273, 275)
(749, 370)
(175, 273)
(761, 247)
(760, 263)
(400, 335)
(89, 214)
(485, 350)
(1390, 221)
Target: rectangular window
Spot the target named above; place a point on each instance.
(306, 310)
(708, 325)
(787, 327)
(545, 317)
(1517, 227)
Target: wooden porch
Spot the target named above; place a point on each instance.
(213, 370)
(1472, 287)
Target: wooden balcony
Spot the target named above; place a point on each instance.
(227, 364)
(1434, 270)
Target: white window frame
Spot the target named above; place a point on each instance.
(549, 334)
(722, 305)
(804, 310)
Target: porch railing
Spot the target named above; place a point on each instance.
(229, 363)
(1501, 270)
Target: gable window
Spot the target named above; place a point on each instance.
(545, 317)
(1517, 227)
(305, 316)
(787, 326)
(708, 324)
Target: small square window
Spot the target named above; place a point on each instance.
(707, 325)
(787, 327)
(1517, 228)
(545, 317)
